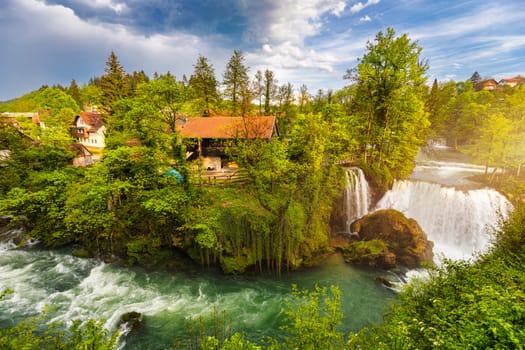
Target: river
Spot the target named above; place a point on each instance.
(85, 288)
(458, 220)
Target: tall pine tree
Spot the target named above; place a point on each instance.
(204, 83)
(114, 83)
(236, 83)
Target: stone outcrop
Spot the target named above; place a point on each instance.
(405, 243)
(131, 322)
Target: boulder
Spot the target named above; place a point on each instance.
(403, 237)
(131, 322)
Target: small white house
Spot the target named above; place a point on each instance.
(89, 130)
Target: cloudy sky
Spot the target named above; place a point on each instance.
(309, 42)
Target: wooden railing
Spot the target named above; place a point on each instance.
(223, 177)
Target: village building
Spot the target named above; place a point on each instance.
(34, 116)
(211, 135)
(487, 85)
(89, 130)
(512, 82)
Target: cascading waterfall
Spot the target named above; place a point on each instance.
(459, 223)
(357, 196)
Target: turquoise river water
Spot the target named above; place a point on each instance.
(73, 288)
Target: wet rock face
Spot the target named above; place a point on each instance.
(402, 236)
(131, 321)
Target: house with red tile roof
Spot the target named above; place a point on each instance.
(487, 85)
(512, 82)
(89, 130)
(213, 134)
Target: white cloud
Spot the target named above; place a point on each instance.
(115, 6)
(41, 51)
(294, 20)
(365, 19)
(288, 55)
(286, 27)
(470, 23)
(358, 7)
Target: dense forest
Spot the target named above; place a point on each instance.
(126, 207)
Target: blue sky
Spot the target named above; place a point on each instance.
(309, 42)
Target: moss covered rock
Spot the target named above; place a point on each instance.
(403, 237)
(372, 253)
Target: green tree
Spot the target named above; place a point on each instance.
(465, 114)
(270, 88)
(31, 334)
(74, 91)
(154, 111)
(389, 101)
(91, 96)
(54, 100)
(114, 83)
(135, 79)
(204, 83)
(493, 144)
(312, 319)
(304, 98)
(57, 129)
(236, 82)
(437, 106)
(475, 79)
(258, 89)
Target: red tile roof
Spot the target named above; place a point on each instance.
(228, 127)
(93, 119)
(511, 80)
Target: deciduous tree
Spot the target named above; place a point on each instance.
(389, 101)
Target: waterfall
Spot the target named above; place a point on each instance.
(356, 196)
(459, 223)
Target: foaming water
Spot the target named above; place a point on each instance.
(460, 223)
(73, 288)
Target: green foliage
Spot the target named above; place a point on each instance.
(389, 102)
(493, 142)
(236, 83)
(40, 206)
(463, 305)
(238, 342)
(54, 100)
(29, 334)
(45, 98)
(364, 250)
(204, 83)
(490, 125)
(5, 292)
(126, 206)
(114, 84)
(312, 319)
(210, 332)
